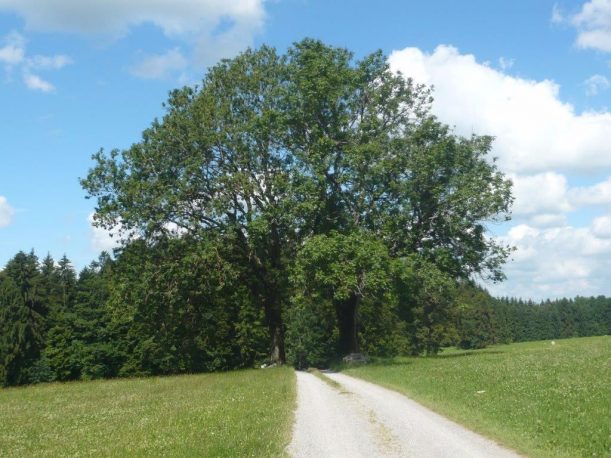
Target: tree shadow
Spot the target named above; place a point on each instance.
(408, 360)
(400, 361)
(468, 353)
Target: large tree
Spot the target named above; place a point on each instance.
(273, 149)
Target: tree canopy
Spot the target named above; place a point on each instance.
(272, 151)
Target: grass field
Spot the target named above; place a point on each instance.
(235, 414)
(541, 399)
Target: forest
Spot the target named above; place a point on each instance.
(293, 208)
(57, 326)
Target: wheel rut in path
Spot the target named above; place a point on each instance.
(361, 419)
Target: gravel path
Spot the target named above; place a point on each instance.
(361, 419)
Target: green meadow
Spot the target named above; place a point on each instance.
(234, 414)
(545, 398)
(542, 399)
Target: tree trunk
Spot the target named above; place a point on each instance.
(277, 354)
(271, 291)
(276, 296)
(271, 300)
(348, 332)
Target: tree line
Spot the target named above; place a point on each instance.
(154, 311)
(481, 320)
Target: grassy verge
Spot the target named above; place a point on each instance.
(539, 398)
(324, 378)
(243, 413)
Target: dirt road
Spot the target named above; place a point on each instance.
(360, 419)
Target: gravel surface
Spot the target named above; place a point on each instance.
(360, 419)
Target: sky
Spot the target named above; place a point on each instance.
(79, 76)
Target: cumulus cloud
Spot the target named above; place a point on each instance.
(506, 63)
(101, 239)
(49, 62)
(592, 22)
(541, 142)
(545, 220)
(535, 130)
(557, 16)
(6, 212)
(553, 258)
(37, 83)
(116, 16)
(106, 240)
(601, 227)
(215, 28)
(544, 199)
(225, 42)
(557, 262)
(597, 194)
(544, 193)
(160, 66)
(13, 55)
(595, 84)
(593, 25)
(12, 51)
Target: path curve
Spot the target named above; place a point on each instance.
(361, 419)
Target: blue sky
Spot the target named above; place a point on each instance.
(79, 76)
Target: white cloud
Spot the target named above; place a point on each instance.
(546, 220)
(106, 240)
(101, 239)
(35, 82)
(174, 230)
(506, 63)
(556, 262)
(160, 66)
(597, 194)
(49, 62)
(544, 199)
(557, 16)
(544, 193)
(593, 24)
(541, 142)
(13, 50)
(535, 131)
(174, 17)
(13, 55)
(212, 47)
(601, 227)
(216, 28)
(554, 259)
(595, 84)
(596, 39)
(6, 212)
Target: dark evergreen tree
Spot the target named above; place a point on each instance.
(477, 326)
(181, 307)
(22, 321)
(80, 343)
